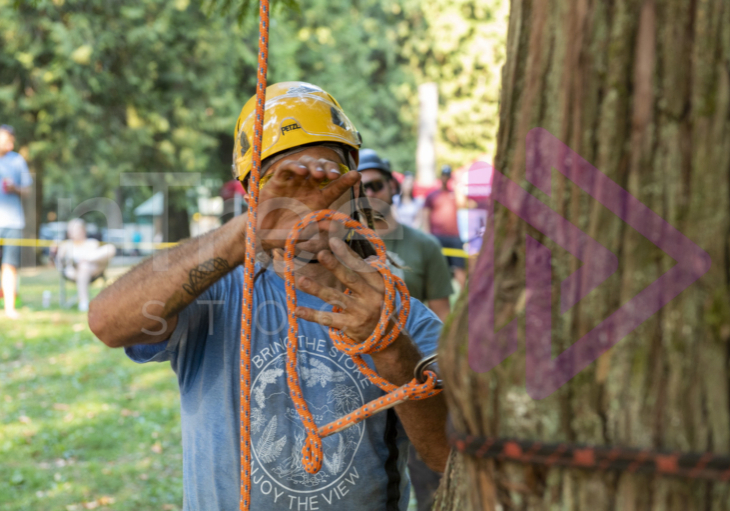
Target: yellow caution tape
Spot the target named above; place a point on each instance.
(52, 243)
(454, 252)
(27, 243)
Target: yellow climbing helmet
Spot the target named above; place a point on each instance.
(297, 113)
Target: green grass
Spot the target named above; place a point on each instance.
(81, 426)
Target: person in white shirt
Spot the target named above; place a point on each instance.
(83, 259)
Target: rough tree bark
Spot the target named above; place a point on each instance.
(641, 89)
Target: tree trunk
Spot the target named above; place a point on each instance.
(641, 90)
(427, 124)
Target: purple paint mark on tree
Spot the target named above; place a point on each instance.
(546, 374)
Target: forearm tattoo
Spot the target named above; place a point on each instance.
(199, 279)
(205, 274)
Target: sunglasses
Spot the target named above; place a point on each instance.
(343, 170)
(374, 186)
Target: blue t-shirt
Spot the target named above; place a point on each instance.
(364, 466)
(13, 167)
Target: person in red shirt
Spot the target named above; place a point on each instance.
(441, 221)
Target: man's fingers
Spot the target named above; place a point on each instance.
(327, 294)
(348, 258)
(315, 168)
(336, 188)
(294, 173)
(330, 319)
(291, 172)
(332, 169)
(350, 278)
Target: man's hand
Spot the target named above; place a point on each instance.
(361, 309)
(9, 187)
(294, 191)
(423, 420)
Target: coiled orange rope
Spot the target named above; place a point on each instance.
(312, 450)
(378, 340)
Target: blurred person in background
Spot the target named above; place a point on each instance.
(136, 240)
(440, 219)
(15, 181)
(425, 271)
(407, 207)
(232, 193)
(83, 259)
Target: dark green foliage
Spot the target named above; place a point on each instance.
(98, 88)
(244, 9)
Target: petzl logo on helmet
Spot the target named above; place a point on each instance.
(290, 127)
(545, 374)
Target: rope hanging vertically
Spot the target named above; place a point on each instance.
(250, 262)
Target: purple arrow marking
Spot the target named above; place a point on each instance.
(546, 374)
(599, 264)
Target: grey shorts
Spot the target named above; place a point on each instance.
(11, 253)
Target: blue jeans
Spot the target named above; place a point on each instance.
(11, 253)
(424, 480)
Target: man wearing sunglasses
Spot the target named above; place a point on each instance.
(190, 315)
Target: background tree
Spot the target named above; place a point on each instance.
(460, 45)
(641, 89)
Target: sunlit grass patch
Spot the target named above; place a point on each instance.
(81, 426)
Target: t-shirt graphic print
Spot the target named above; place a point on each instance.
(277, 448)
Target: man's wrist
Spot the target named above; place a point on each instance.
(396, 362)
(236, 237)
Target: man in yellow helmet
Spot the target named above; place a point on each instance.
(190, 315)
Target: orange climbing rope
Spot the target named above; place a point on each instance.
(379, 340)
(250, 262)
